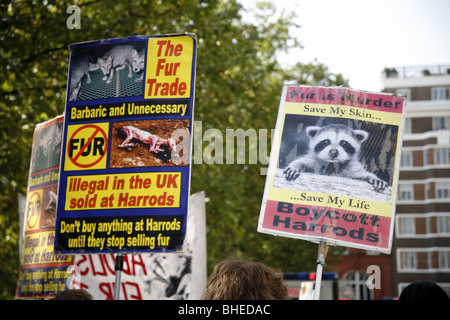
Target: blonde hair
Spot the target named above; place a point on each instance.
(236, 279)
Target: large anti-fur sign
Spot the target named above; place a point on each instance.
(334, 167)
(125, 158)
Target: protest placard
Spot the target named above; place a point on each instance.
(334, 167)
(125, 165)
(42, 273)
(152, 276)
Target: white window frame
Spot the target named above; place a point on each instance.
(443, 224)
(442, 189)
(440, 93)
(444, 259)
(354, 285)
(437, 225)
(406, 159)
(442, 156)
(407, 260)
(441, 123)
(407, 226)
(404, 92)
(407, 126)
(406, 192)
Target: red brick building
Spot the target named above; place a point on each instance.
(421, 245)
(354, 271)
(421, 248)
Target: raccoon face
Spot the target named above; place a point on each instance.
(335, 143)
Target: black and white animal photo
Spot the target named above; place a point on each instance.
(334, 150)
(95, 72)
(138, 63)
(81, 67)
(336, 156)
(118, 58)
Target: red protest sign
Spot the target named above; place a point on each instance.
(333, 168)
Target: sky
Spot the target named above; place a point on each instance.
(359, 38)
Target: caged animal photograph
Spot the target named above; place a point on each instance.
(337, 156)
(96, 73)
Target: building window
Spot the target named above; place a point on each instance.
(405, 192)
(406, 159)
(442, 156)
(407, 226)
(408, 126)
(354, 287)
(423, 259)
(428, 223)
(441, 123)
(408, 260)
(440, 93)
(443, 224)
(404, 92)
(443, 189)
(444, 259)
(430, 259)
(427, 155)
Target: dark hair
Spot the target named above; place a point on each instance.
(424, 290)
(74, 294)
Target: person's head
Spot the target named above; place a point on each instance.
(424, 290)
(236, 279)
(74, 294)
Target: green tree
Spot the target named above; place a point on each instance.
(238, 85)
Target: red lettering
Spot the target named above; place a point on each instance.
(160, 44)
(103, 265)
(126, 266)
(170, 48)
(79, 263)
(83, 286)
(178, 50)
(175, 88)
(94, 271)
(131, 263)
(172, 181)
(150, 88)
(106, 289)
(110, 266)
(138, 261)
(159, 66)
(132, 285)
(170, 200)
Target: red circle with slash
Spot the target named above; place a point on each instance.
(97, 130)
(33, 216)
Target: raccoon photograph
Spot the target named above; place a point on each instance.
(338, 156)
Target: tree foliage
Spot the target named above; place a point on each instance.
(238, 85)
